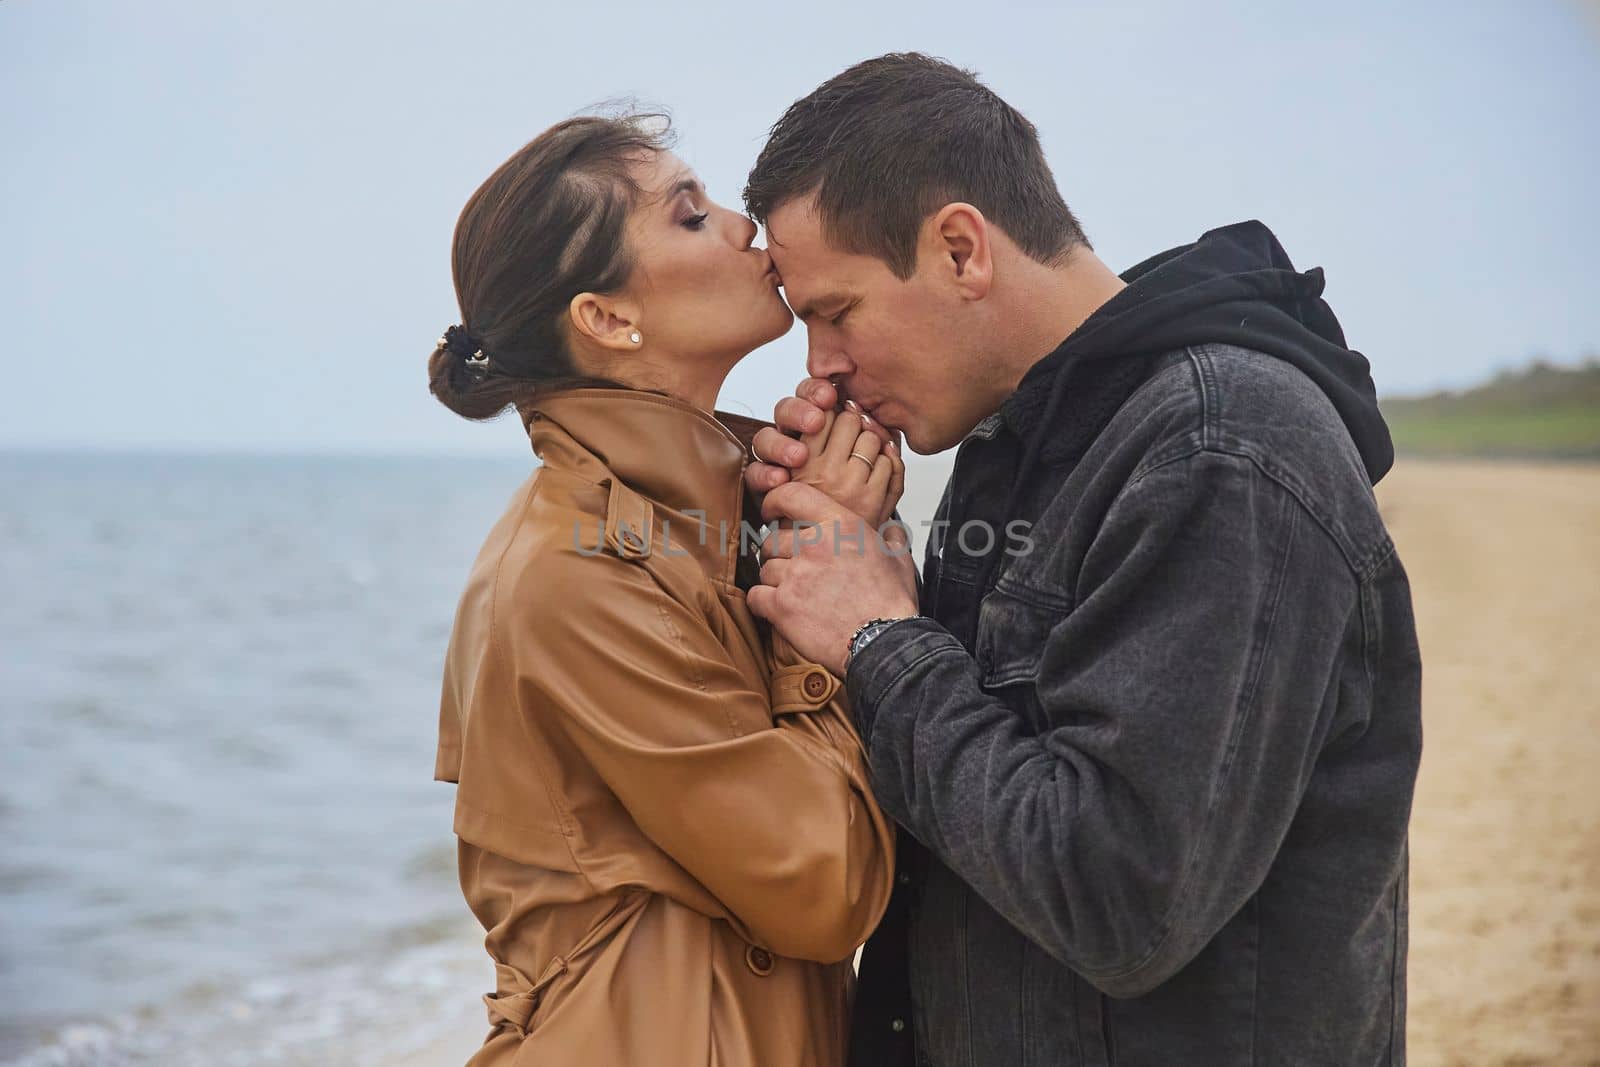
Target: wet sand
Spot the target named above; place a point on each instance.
(451, 1053)
(1504, 562)
(1505, 852)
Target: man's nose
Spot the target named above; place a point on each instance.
(824, 360)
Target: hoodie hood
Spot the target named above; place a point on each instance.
(1235, 285)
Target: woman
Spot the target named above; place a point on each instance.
(663, 816)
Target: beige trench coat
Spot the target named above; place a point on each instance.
(663, 816)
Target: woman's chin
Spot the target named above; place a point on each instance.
(760, 339)
(780, 325)
(770, 327)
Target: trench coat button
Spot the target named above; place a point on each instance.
(815, 684)
(759, 959)
(897, 1025)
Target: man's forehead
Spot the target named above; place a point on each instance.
(795, 228)
(814, 273)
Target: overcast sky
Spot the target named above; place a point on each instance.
(227, 226)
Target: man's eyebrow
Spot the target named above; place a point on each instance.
(810, 308)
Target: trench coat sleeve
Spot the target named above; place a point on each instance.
(771, 814)
(829, 722)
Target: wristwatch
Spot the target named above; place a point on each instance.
(866, 632)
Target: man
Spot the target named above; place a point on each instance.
(1154, 726)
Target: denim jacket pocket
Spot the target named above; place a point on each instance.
(1013, 627)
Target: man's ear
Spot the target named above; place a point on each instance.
(606, 321)
(959, 236)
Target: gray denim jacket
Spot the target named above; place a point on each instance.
(1157, 804)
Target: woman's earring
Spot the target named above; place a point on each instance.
(634, 337)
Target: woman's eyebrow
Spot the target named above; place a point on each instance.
(688, 184)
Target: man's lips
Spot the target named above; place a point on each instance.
(862, 407)
(871, 413)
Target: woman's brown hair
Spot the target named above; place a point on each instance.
(547, 225)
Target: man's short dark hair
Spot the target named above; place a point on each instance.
(893, 139)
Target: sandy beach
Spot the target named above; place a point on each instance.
(449, 1053)
(1504, 562)
(1505, 875)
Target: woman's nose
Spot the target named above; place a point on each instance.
(745, 232)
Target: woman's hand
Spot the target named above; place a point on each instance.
(855, 461)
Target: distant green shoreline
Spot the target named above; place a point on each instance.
(1538, 412)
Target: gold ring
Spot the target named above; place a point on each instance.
(864, 459)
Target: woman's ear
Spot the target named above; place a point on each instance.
(959, 235)
(605, 321)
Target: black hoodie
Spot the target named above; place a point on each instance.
(1235, 285)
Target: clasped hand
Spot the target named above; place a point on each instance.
(835, 558)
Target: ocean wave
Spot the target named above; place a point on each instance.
(359, 1013)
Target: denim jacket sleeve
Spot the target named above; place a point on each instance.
(1185, 696)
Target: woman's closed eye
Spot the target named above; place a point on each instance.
(697, 222)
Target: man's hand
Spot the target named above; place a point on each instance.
(829, 573)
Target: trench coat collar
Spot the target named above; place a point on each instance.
(668, 450)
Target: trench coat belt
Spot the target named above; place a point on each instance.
(517, 997)
(516, 1009)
